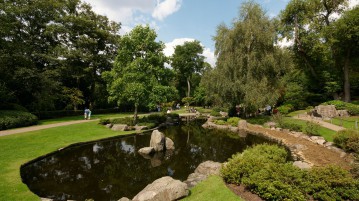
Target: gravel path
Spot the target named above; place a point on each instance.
(40, 127)
(320, 122)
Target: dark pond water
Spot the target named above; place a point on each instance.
(111, 169)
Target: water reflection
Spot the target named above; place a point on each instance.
(111, 169)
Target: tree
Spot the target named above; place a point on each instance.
(138, 76)
(346, 43)
(46, 45)
(308, 23)
(249, 65)
(88, 44)
(186, 61)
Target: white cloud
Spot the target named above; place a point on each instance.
(284, 42)
(166, 8)
(353, 3)
(170, 49)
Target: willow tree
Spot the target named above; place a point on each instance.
(139, 76)
(249, 65)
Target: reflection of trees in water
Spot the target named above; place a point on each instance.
(111, 169)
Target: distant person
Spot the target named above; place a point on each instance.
(87, 114)
(178, 106)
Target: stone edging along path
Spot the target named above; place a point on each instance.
(306, 151)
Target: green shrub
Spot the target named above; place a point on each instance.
(14, 119)
(263, 170)
(311, 128)
(278, 118)
(233, 121)
(215, 113)
(347, 139)
(220, 122)
(173, 115)
(260, 120)
(285, 109)
(352, 109)
(125, 120)
(291, 126)
(332, 183)
(278, 182)
(104, 121)
(155, 118)
(252, 160)
(148, 124)
(339, 105)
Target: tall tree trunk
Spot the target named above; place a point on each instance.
(346, 78)
(135, 114)
(188, 87)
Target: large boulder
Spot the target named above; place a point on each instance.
(146, 150)
(242, 124)
(120, 127)
(157, 140)
(169, 143)
(201, 173)
(163, 189)
(209, 168)
(326, 111)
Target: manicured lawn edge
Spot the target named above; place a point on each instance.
(213, 188)
(18, 149)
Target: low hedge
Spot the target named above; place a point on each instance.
(348, 140)
(264, 170)
(15, 119)
(150, 121)
(352, 109)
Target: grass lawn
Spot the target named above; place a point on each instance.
(81, 117)
(212, 188)
(346, 122)
(19, 148)
(324, 132)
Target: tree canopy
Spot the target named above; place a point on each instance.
(249, 66)
(139, 76)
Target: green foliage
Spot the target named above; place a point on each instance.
(341, 105)
(291, 126)
(252, 160)
(248, 71)
(285, 109)
(125, 120)
(139, 76)
(311, 128)
(278, 182)
(278, 118)
(260, 120)
(332, 183)
(263, 170)
(347, 139)
(188, 100)
(220, 122)
(215, 113)
(104, 121)
(187, 60)
(14, 119)
(233, 121)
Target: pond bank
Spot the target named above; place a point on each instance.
(311, 151)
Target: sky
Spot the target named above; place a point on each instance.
(177, 21)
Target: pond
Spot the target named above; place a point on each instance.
(111, 169)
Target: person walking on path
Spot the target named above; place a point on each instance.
(87, 114)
